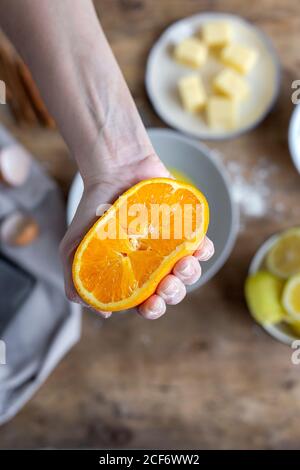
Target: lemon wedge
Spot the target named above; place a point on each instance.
(291, 297)
(263, 295)
(283, 260)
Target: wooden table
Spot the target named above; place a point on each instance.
(204, 376)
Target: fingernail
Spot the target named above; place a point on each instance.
(171, 290)
(152, 316)
(207, 253)
(104, 315)
(186, 269)
(173, 295)
(152, 313)
(155, 310)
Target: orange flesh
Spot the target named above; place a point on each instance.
(113, 274)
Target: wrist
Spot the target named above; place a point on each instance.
(112, 133)
(130, 173)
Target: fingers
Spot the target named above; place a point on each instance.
(152, 308)
(102, 313)
(188, 270)
(205, 250)
(171, 290)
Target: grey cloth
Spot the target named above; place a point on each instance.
(47, 325)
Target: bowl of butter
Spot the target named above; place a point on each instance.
(213, 75)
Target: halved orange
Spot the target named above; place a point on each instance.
(135, 244)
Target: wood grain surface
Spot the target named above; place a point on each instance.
(204, 376)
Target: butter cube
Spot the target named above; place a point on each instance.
(191, 52)
(241, 58)
(231, 84)
(217, 33)
(221, 112)
(192, 93)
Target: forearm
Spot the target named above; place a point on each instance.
(66, 50)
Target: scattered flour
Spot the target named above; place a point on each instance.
(251, 189)
(251, 192)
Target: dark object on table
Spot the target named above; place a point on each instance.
(15, 286)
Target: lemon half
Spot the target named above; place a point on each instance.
(283, 260)
(263, 293)
(291, 297)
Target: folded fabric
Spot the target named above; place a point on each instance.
(47, 325)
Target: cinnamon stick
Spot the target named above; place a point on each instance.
(34, 95)
(14, 83)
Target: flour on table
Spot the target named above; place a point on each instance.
(252, 193)
(251, 190)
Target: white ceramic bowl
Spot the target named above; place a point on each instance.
(198, 163)
(281, 332)
(294, 137)
(163, 73)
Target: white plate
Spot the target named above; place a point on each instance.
(281, 331)
(294, 137)
(163, 72)
(198, 163)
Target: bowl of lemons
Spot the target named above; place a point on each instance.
(272, 288)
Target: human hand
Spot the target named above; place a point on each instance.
(113, 182)
(86, 94)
